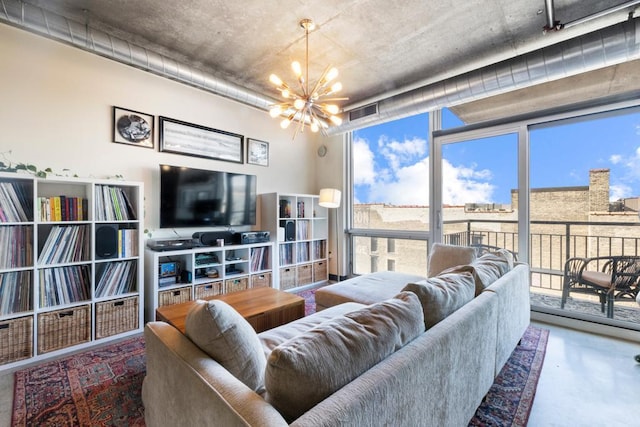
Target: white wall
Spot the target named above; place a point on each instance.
(56, 111)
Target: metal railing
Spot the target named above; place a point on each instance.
(551, 242)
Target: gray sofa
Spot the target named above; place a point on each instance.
(437, 379)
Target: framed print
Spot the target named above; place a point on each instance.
(132, 128)
(195, 140)
(257, 152)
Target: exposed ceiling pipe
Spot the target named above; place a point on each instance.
(603, 48)
(605, 12)
(60, 28)
(552, 24)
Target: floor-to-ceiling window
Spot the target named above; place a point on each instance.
(584, 207)
(389, 222)
(549, 188)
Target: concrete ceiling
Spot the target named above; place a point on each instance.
(381, 48)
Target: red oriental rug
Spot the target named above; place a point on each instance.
(100, 387)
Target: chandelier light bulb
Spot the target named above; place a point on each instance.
(285, 123)
(275, 111)
(314, 127)
(337, 87)
(297, 69)
(332, 108)
(298, 104)
(286, 93)
(275, 80)
(332, 74)
(336, 120)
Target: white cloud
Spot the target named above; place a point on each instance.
(363, 163)
(406, 179)
(462, 185)
(620, 191)
(615, 158)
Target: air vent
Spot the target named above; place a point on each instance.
(361, 112)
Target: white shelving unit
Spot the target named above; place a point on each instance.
(176, 276)
(70, 264)
(300, 227)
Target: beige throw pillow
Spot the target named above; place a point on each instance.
(222, 333)
(446, 256)
(442, 295)
(306, 369)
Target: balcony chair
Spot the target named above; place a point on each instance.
(618, 279)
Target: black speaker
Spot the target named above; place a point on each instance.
(209, 238)
(106, 241)
(289, 231)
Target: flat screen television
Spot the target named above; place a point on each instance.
(205, 198)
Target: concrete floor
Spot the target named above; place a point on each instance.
(586, 380)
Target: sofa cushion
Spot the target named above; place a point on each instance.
(486, 269)
(446, 256)
(222, 333)
(306, 369)
(365, 289)
(442, 295)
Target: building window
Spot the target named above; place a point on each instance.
(374, 264)
(391, 265)
(374, 244)
(391, 245)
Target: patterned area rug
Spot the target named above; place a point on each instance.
(97, 388)
(103, 387)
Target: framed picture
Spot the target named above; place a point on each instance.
(132, 128)
(200, 141)
(257, 152)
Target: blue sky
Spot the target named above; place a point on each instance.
(392, 165)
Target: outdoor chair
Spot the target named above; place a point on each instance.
(617, 279)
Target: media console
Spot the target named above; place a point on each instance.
(179, 275)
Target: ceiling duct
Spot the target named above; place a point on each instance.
(610, 46)
(361, 112)
(60, 28)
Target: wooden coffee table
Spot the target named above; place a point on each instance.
(264, 308)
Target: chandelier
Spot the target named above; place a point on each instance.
(309, 104)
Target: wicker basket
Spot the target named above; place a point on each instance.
(287, 278)
(116, 316)
(233, 285)
(319, 271)
(208, 289)
(16, 339)
(305, 274)
(174, 296)
(262, 280)
(63, 328)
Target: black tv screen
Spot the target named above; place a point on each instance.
(196, 198)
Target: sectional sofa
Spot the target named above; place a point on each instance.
(424, 353)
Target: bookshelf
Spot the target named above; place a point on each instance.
(64, 282)
(182, 275)
(300, 227)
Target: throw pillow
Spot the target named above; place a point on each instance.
(222, 333)
(446, 256)
(306, 369)
(490, 267)
(442, 295)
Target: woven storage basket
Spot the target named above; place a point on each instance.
(63, 328)
(319, 271)
(174, 296)
(305, 274)
(208, 289)
(16, 339)
(262, 280)
(116, 316)
(233, 285)
(287, 278)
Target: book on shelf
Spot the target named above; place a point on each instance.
(113, 204)
(15, 203)
(15, 287)
(64, 285)
(64, 244)
(116, 278)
